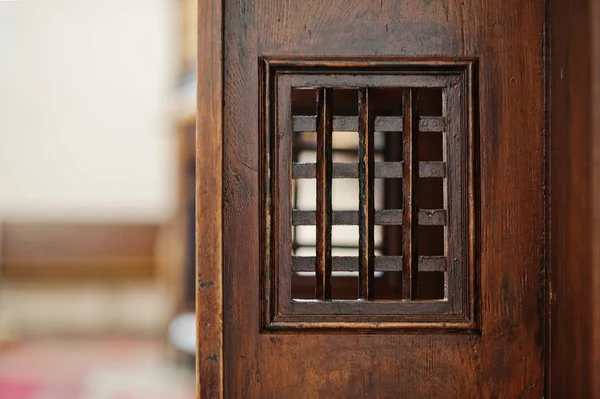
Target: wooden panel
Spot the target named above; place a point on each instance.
(574, 248)
(75, 250)
(209, 200)
(506, 359)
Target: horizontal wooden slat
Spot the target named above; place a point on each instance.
(302, 170)
(388, 124)
(340, 170)
(427, 217)
(393, 170)
(426, 263)
(382, 263)
(428, 170)
(388, 170)
(303, 218)
(388, 217)
(308, 218)
(382, 123)
(432, 217)
(383, 170)
(431, 124)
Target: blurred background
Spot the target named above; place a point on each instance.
(97, 120)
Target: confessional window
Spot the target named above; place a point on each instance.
(369, 202)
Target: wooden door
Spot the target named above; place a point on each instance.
(371, 199)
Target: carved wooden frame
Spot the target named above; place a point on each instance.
(281, 313)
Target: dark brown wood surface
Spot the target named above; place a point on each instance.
(506, 359)
(324, 175)
(366, 206)
(574, 248)
(209, 201)
(410, 181)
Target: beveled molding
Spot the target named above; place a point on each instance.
(458, 312)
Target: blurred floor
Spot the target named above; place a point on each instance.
(99, 368)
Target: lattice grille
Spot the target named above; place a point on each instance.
(366, 170)
(399, 143)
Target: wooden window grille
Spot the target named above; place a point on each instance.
(368, 181)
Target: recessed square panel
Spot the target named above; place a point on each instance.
(368, 207)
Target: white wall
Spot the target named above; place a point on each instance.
(84, 92)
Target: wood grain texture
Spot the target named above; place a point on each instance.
(574, 248)
(506, 359)
(209, 200)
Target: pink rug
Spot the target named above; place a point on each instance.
(111, 368)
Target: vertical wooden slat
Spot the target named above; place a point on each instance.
(456, 196)
(209, 200)
(366, 172)
(324, 211)
(410, 181)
